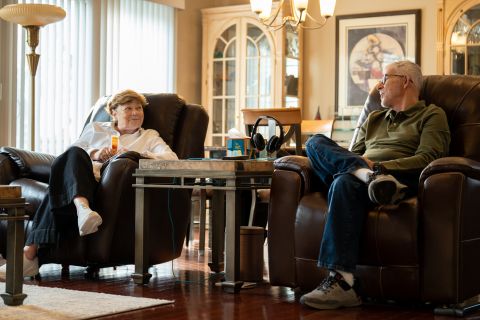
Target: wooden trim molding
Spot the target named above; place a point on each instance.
(177, 4)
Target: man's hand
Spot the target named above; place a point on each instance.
(369, 162)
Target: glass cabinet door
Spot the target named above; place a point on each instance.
(252, 62)
(224, 84)
(292, 68)
(465, 43)
(258, 82)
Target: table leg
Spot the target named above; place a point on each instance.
(142, 217)
(298, 139)
(217, 230)
(232, 283)
(13, 295)
(203, 214)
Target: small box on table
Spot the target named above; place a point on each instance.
(237, 146)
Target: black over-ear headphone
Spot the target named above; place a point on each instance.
(258, 142)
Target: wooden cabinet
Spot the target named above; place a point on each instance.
(245, 65)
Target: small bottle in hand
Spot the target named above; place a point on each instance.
(114, 144)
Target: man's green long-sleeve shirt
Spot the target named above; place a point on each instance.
(405, 140)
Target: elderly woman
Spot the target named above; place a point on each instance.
(75, 173)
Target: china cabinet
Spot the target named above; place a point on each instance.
(246, 65)
(463, 40)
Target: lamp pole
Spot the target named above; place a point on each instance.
(32, 58)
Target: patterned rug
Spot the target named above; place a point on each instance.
(56, 303)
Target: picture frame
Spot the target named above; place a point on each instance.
(365, 44)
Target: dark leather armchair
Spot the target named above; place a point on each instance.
(425, 249)
(183, 127)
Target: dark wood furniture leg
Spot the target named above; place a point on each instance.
(15, 216)
(141, 275)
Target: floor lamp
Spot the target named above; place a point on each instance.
(32, 16)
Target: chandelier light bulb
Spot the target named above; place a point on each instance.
(300, 5)
(256, 6)
(327, 7)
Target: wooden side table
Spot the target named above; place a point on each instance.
(11, 200)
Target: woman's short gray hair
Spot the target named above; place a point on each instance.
(124, 97)
(412, 70)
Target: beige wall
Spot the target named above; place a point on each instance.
(189, 46)
(319, 48)
(189, 49)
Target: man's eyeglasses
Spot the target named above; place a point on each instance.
(386, 76)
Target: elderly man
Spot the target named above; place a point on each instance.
(393, 146)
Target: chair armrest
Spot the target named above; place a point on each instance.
(450, 228)
(8, 170)
(300, 165)
(468, 167)
(33, 165)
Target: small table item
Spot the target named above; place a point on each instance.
(11, 200)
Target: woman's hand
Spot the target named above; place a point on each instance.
(122, 150)
(103, 154)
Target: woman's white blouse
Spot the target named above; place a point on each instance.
(148, 143)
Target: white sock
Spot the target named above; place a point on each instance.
(363, 174)
(82, 206)
(347, 276)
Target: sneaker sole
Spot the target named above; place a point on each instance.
(382, 192)
(321, 306)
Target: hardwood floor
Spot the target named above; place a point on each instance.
(190, 284)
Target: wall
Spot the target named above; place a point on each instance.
(189, 49)
(319, 48)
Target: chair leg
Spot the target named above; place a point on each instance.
(65, 270)
(92, 272)
(460, 309)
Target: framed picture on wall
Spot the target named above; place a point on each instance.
(365, 44)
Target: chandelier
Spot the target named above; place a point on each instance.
(298, 13)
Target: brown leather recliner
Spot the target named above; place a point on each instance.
(425, 249)
(182, 126)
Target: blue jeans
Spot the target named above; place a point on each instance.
(348, 202)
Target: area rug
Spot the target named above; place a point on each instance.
(56, 303)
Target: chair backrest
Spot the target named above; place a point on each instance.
(459, 96)
(182, 126)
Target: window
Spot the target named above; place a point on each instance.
(99, 48)
(465, 43)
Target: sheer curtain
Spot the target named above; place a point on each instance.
(138, 46)
(132, 48)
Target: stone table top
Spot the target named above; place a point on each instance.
(207, 165)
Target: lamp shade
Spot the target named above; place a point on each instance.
(30, 14)
(257, 6)
(327, 7)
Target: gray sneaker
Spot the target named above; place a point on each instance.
(334, 292)
(385, 189)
